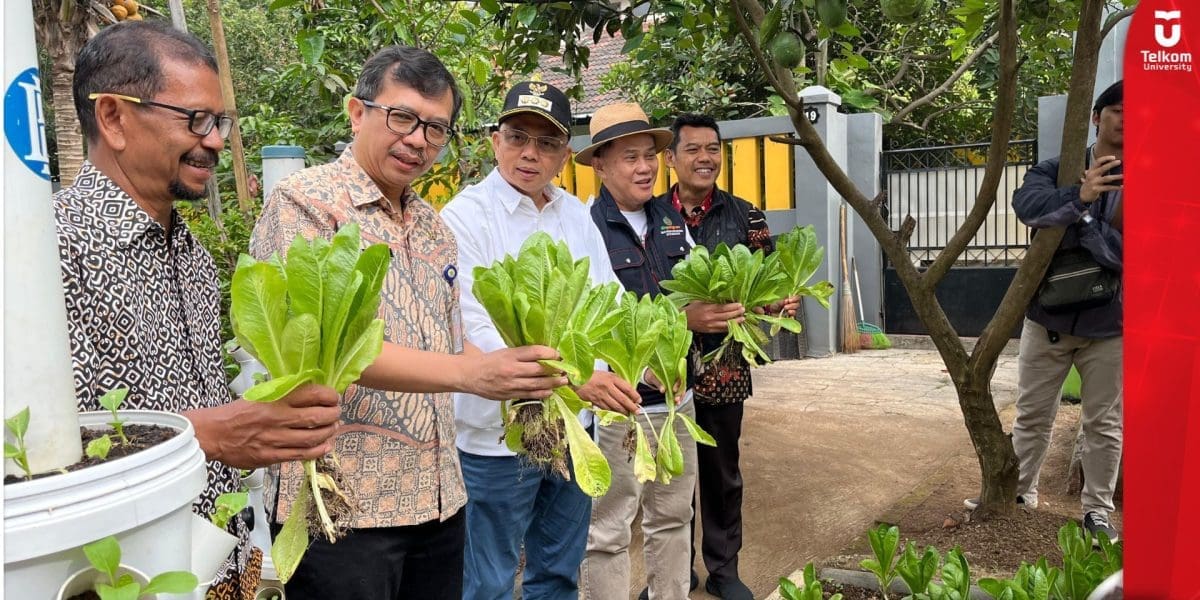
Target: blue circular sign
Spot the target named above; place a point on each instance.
(25, 123)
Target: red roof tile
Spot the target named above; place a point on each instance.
(603, 56)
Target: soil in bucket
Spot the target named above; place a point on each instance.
(88, 595)
(140, 437)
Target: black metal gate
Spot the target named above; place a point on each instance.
(938, 186)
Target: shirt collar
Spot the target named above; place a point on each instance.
(125, 220)
(510, 198)
(696, 215)
(362, 189)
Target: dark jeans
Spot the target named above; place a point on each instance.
(511, 504)
(720, 479)
(417, 562)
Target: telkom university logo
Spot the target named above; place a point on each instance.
(24, 122)
(1164, 21)
(1168, 31)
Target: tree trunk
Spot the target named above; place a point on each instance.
(998, 463)
(971, 373)
(67, 135)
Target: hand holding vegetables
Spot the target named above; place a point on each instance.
(737, 275)
(249, 435)
(510, 373)
(705, 317)
(543, 296)
(608, 391)
(311, 319)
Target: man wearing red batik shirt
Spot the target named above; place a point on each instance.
(722, 386)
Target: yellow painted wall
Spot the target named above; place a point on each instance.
(777, 175)
(756, 169)
(747, 170)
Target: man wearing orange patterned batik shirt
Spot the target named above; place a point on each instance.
(396, 440)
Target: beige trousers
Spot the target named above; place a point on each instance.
(666, 521)
(1041, 369)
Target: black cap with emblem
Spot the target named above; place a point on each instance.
(540, 99)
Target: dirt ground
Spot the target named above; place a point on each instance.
(832, 446)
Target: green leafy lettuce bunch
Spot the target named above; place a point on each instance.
(311, 319)
(735, 274)
(543, 296)
(651, 333)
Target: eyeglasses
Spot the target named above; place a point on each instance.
(404, 122)
(544, 144)
(200, 122)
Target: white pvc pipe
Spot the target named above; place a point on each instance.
(279, 162)
(37, 357)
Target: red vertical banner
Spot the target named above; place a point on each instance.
(1162, 301)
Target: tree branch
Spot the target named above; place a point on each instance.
(955, 106)
(997, 155)
(1112, 21)
(941, 89)
(781, 80)
(1074, 146)
(788, 92)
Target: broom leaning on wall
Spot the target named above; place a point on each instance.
(870, 335)
(850, 339)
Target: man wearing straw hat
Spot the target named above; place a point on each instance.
(645, 237)
(511, 503)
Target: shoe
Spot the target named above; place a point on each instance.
(695, 583)
(1022, 502)
(728, 589)
(1095, 524)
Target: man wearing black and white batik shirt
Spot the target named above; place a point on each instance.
(142, 294)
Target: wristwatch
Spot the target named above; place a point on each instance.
(1087, 218)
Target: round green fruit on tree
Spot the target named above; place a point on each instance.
(832, 13)
(904, 11)
(788, 50)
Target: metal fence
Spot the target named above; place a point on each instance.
(938, 187)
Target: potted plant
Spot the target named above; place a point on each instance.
(143, 499)
(108, 579)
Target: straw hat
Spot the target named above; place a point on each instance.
(616, 121)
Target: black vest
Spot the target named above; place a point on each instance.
(641, 265)
(728, 220)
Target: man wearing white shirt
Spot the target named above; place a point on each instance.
(510, 502)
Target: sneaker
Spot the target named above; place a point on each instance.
(1095, 524)
(1022, 502)
(695, 583)
(728, 589)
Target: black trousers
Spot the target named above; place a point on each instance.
(418, 562)
(720, 479)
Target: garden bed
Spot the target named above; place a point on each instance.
(934, 514)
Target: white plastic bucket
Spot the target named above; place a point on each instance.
(144, 499)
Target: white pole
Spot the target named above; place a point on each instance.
(37, 357)
(279, 162)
